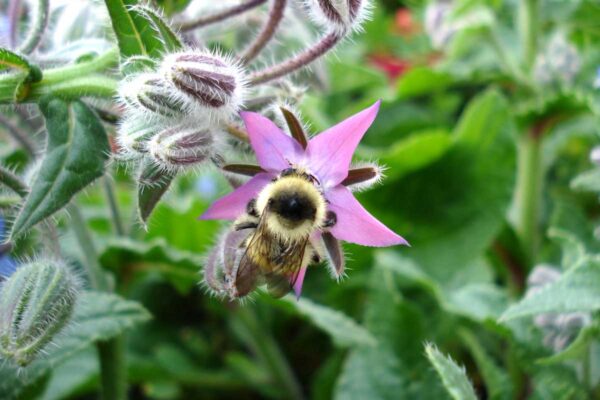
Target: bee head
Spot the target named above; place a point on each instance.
(294, 205)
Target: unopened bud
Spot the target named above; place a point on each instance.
(211, 82)
(133, 135)
(438, 24)
(181, 146)
(221, 265)
(150, 93)
(35, 304)
(343, 15)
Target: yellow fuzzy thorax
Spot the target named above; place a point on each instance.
(289, 184)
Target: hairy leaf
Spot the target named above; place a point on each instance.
(576, 290)
(75, 156)
(98, 317)
(153, 183)
(170, 40)
(454, 377)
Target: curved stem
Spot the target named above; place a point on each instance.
(528, 29)
(301, 60)
(18, 135)
(221, 15)
(14, 13)
(266, 34)
(109, 190)
(105, 60)
(37, 26)
(93, 86)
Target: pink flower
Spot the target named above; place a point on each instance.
(327, 156)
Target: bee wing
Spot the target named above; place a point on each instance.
(283, 278)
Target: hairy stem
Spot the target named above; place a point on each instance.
(13, 182)
(18, 135)
(113, 371)
(265, 347)
(37, 27)
(14, 13)
(326, 43)
(237, 132)
(528, 29)
(267, 33)
(529, 192)
(221, 15)
(117, 222)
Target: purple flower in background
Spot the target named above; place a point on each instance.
(326, 159)
(7, 264)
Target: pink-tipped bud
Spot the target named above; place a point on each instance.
(180, 147)
(213, 83)
(150, 93)
(343, 15)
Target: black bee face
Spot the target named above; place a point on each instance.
(293, 207)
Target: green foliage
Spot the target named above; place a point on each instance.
(75, 156)
(97, 317)
(454, 377)
(153, 183)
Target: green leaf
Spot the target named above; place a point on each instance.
(137, 33)
(588, 181)
(75, 156)
(415, 152)
(576, 290)
(371, 373)
(153, 183)
(98, 317)
(577, 349)
(171, 41)
(422, 81)
(455, 206)
(344, 331)
(454, 377)
(557, 383)
(181, 268)
(76, 375)
(11, 60)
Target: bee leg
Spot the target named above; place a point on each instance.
(251, 208)
(245, 225)
(330, 219)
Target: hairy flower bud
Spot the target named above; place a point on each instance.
(343, 15)
(213, 83)
(133, 135)
(559, 62)
(150, 93)
(181, 146)
(221, 265)
(35, 304)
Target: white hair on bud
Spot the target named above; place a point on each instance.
(209, 101)
(133, 133)
(341, 15)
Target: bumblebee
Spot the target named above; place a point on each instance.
(281, 221)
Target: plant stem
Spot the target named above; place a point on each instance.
(113, 371)
(12, 181)
(37, 26)
(265, 347)
(14, 13)
(529, 191)
(326, 43)
(507, 61)
(18, 135)
(112, 352)
(109, 190)
(528, 29)
(221, 15)
(266, 34)
(84, 238)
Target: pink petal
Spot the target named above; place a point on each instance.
(299, 281)
(330, 152)
(274, 149)
(234, 204)
(355, 224)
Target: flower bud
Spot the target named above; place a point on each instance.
(343, 15)
(212, 83)
(150, 93)
(133, 135)
(181, 146)
(221, 265)
(438, 25)
(35, 304)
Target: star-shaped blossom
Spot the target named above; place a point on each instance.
(327, 156)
